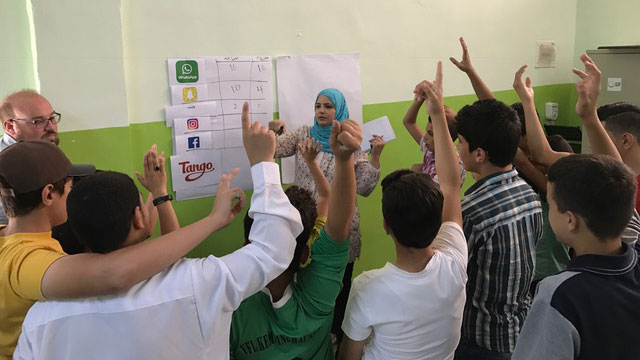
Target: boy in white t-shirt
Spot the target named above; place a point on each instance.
(412, 309)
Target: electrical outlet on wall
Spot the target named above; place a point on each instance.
(551, 112)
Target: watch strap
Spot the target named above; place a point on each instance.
(160, 199)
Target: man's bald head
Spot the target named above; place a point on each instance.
(19, 109)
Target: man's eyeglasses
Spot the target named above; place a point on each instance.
(40, 122)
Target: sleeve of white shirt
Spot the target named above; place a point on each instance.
(452, 242)
(220, 284)
(23, 350)
(356, 324)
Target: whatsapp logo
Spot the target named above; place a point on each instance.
(187, 71)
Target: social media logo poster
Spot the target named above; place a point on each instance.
(189, 94)
(194, 142)
(193, 124)
(187, 71)
(188, 125)
(181, 94)
(195, 169)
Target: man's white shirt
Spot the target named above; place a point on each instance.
(183, 312)
(412, 315)
(6, 141)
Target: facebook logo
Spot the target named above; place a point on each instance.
(194, 142)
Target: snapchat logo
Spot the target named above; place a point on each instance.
(189, 94)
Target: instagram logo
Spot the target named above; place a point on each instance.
(192, 124)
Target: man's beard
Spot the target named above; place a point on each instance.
(54, 140)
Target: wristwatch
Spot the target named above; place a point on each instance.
(160, 199)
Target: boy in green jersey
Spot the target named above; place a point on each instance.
(291, 318)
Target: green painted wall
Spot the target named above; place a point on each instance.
(122, 149)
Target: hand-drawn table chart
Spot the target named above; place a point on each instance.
(207, 94)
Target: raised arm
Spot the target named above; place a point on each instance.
(276, 223)
(411, 117)
(85, 275)
(530, 171)
(151, 209)
(309, 150)
(367, 175)
(277, 126)
(446, 157)
(479, 87)
(286, 141)
(377, 145)
(345, 140)
(588, 88)
(155, 181)
(539, 147)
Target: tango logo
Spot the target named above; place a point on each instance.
(194, 172)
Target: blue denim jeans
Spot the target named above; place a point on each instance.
(468, 350)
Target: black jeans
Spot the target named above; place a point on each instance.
(468, 349)
(341, 303)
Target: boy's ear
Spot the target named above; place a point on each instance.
(572, 220)
(480, 156)
(138, 220)
(47, 195)
(628, 140)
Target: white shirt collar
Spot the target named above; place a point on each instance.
(6, 141)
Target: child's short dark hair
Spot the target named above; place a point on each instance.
(303, 201)
(451, 125)
(22, 204)
(412, 207)
(608, 110)
(626, 122)
(100, 209)
(519, 109)
(558, 143)
(598, 188)
(492, 126)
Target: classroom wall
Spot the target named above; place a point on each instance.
(16, 58)
(601, 23)
(103, 64)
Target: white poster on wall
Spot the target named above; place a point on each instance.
(196, 169)
(231, 159)
(300, 79)
(207, 94)
(198, 109)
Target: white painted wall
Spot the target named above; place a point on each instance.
(601, 23)
(103, 63)
(399, 41)
(80, 61)
(16, 61)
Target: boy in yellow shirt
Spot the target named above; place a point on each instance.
(34, 184)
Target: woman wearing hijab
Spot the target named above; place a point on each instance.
(330, 104)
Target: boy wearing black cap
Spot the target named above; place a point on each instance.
(34, 184)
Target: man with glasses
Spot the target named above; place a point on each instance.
(27, 115)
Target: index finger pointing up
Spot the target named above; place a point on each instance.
(246, 119)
